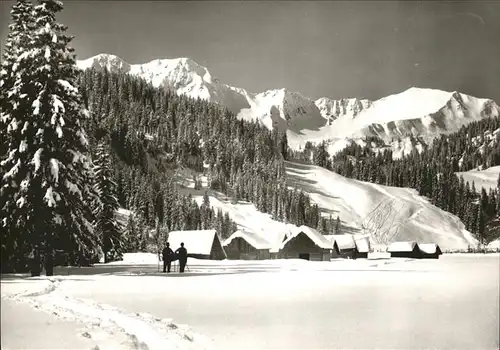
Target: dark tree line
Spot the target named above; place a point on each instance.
(431, 172)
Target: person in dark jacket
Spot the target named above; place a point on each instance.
(182, 256)
(168, 256)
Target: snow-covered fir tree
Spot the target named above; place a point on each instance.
(11, 106)
(106, 226)
(337, 226)
(132, 237)
(18, 41)
(46, 173)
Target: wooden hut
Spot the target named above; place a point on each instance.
(200, 244)
(278, 239)
(246, 245)
(404, 250)
(335, 247)
(362, 246)
(347, 246)
(429, 250)
(308, 244)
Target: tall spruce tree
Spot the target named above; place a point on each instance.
(106, 225)
(321, 155)
(337, 226)
(18, 41)
(12, 107)
(480, 228)
(47, 163)
(132, 236)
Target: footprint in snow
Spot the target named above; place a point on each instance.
(86, 335)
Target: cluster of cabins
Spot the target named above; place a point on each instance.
(414, 250)
(302, 243)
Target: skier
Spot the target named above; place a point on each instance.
(168, 256)
(182, 256)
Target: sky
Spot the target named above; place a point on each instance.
(325, 48)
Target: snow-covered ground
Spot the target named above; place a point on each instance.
(450, 303)
(86, 320)
(494, 244)
(25, 327)
(482, 178)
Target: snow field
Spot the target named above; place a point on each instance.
(482, 178)
(107, 325)
(278, 303)
(387, 213)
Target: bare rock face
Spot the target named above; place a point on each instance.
(333, 109)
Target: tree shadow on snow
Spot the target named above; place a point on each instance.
(23, 279)
(307, 185)
(350, 230)
(189, 274)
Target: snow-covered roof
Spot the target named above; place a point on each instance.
(494, 244)
(362, 243)
(401, 246)
(251, 238)
(195, 242)
(330, 238)
(428, 248)
(314, 235)
(345, 241)
(278, 244)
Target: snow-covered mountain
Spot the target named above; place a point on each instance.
(284, 109)
(183, 75)
(408, 119)
(422, 112)
(403, 121)
(110, 62)
(332, 109)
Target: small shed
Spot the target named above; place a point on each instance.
(200, 244)
(347, 245)
(429, 250)
(279, 238)
(246, 245)
(308, 244)
(362, 246)
(335, 247)
(404, 250)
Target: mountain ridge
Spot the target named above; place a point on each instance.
(414, 113)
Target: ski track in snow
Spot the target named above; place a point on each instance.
(140, 330)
